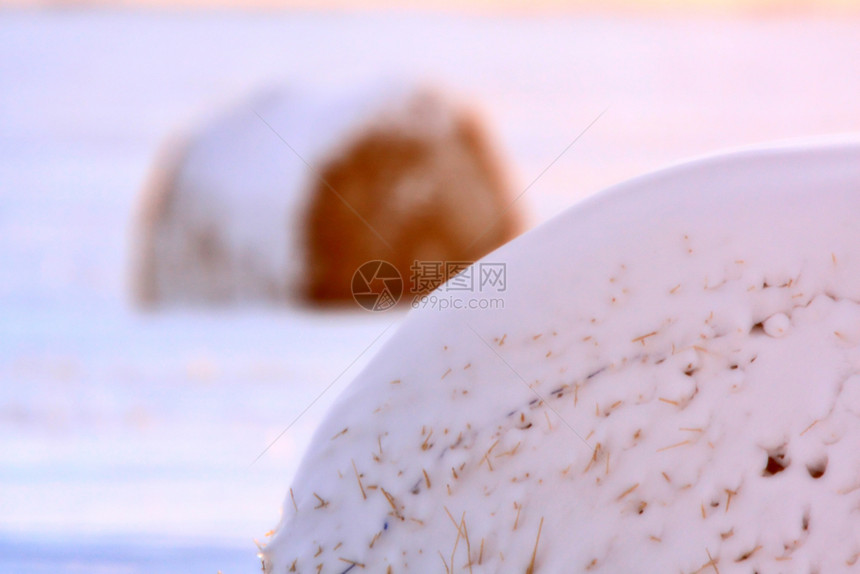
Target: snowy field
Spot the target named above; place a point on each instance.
(130, 442)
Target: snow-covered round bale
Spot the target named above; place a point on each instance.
(673, 385)
(287, 195)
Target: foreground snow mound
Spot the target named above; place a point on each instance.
(288, 194)
(672, 386)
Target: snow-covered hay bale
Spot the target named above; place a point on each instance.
(287, 195)
(673, 386)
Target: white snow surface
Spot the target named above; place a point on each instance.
(673, 386)
(124, 436)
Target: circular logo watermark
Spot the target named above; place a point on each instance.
(377, 285)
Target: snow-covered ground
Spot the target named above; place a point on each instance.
(129, 442)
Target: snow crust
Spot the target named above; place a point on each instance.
(673, 385)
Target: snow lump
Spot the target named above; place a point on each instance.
(673, 385)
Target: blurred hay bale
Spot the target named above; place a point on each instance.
(285, 196)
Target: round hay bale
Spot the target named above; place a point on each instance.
(286, 195)
(673, 385)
